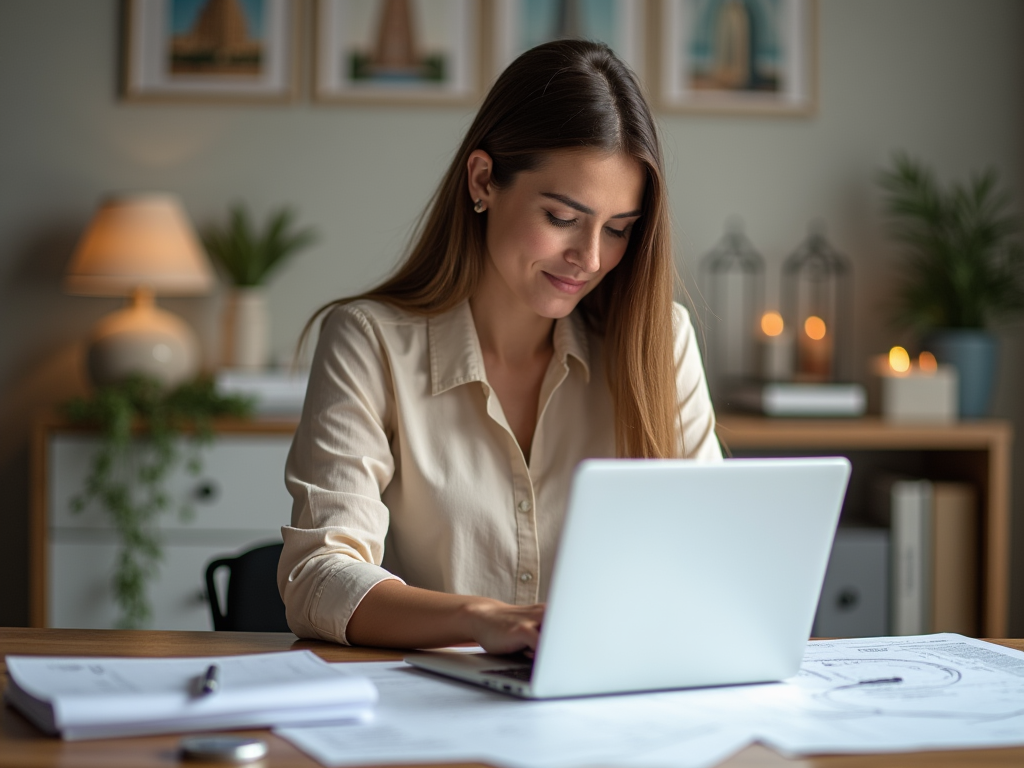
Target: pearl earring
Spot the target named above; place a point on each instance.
(478, 206)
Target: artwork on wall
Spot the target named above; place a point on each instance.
(738, 56)
(400, 51)
(210, 49)
(522, 24)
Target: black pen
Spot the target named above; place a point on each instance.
(209, 682)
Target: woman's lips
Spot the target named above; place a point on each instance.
(565, 284)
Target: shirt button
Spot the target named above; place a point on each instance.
(525, 505)
(526, 577)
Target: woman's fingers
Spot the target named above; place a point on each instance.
(503, 628)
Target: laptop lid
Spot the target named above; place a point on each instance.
(675, 574)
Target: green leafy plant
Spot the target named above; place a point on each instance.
(962, 267)
(247, 255)
(140, 423)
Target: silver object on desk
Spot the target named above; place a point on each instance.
(228, 749)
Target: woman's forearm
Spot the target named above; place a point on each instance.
(394, 615)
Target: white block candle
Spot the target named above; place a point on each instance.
(917, 392)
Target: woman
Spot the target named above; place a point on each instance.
(531, 326)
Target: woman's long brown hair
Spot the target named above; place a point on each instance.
(564, 95)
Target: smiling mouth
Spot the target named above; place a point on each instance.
(565, 284)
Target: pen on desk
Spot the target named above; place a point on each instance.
(881, 680)
(209, 682)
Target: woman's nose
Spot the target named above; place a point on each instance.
(587, 254)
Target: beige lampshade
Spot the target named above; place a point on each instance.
(139, 241)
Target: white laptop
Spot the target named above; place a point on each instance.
(674, 574)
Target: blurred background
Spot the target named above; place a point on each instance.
(940, 79)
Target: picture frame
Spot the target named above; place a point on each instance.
(211, 50)
(741, 57)
(425, 52)
(519, 25)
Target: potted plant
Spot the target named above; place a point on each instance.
(248, 257)
(962, 269)
(141, 424)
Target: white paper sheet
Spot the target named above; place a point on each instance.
(423, 718)
(952, 692)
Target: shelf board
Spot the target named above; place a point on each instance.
(870, 433)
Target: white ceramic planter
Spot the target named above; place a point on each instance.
(246, 329)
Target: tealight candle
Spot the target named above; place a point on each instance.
(776, 348)
(921, 391)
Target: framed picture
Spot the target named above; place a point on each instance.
(738, 56)
(397, 51)
(522, 24)
(210, 50)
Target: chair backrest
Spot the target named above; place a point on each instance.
(253, 601)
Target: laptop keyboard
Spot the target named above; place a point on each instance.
(516, 673)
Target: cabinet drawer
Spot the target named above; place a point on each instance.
(80, 593)
(241, 485)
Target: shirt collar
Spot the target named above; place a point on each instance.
(456, 358)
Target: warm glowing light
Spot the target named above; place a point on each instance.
(772, 324)
(815, 327)
(899, 360)
(927, 363)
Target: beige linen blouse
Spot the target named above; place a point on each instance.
(403, 465)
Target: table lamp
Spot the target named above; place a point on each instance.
(140, 246)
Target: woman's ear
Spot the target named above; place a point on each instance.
(481, 190)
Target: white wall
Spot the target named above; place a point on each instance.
(941, 78)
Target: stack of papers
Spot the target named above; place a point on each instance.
(868, 695)
(98, 698)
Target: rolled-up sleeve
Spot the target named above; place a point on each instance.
(339, 465)
(696, 414)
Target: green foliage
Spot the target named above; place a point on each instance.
(127, 476)
(962, 269)
(249, 256)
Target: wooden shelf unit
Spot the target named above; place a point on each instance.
(978, 451)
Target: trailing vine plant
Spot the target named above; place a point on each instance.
(140, 423)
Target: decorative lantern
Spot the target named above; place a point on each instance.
(816, 302)
(732, 280)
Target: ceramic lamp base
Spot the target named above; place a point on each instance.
(142, 340)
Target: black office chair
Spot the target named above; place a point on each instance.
(253, 601)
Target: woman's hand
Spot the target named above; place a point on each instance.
(503, 628)
(394, 615)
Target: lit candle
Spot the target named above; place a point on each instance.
(776, 348)
(815, 350)
(899, 360)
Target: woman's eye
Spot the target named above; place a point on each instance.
(560, 222)
(621, 233)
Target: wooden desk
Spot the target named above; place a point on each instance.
(23, 746)
(975, 451)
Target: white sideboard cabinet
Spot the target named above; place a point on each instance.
(239, 500)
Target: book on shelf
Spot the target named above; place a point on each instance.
(276, 391)
(99, 698)
(935, 564)
(796, 399)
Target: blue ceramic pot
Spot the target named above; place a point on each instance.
(975, 354)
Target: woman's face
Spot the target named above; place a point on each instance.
(556, 231)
